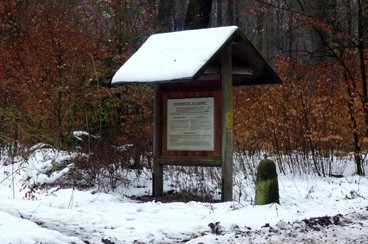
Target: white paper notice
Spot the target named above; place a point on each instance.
(190, 124)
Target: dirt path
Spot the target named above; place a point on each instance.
(351, 229)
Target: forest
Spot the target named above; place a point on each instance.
(58, 58)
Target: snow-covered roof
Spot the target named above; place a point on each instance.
(183, 55)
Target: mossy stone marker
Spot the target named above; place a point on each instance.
(267, 186)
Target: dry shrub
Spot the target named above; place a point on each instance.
(107, 167)
(200, 181)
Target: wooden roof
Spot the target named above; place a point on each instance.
(194, 55)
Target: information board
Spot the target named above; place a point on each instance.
(190, 124)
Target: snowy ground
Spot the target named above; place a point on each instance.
(72, 216)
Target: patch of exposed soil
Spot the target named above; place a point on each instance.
(171, 196)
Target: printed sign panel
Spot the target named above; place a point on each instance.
(190, 124)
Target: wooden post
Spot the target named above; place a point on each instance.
(227, 125)
(158, 180)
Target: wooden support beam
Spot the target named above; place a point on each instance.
(212, 69)
(191, 161)
(227, 125)
(236, 70)
(207, 77)
(242, 70)
(158, 180)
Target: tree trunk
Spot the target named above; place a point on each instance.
(222, 12)
(354, 124)
(165, 15)
(198, 14)
(181, 9)
(362, 11)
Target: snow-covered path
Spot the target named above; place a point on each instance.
(56, 215)
(351, 228)
(72, 216)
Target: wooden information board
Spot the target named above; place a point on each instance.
(190, 125)
(193, 105)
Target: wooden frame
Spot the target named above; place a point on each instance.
(222, 156)
(185, 158)
(216, 94)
